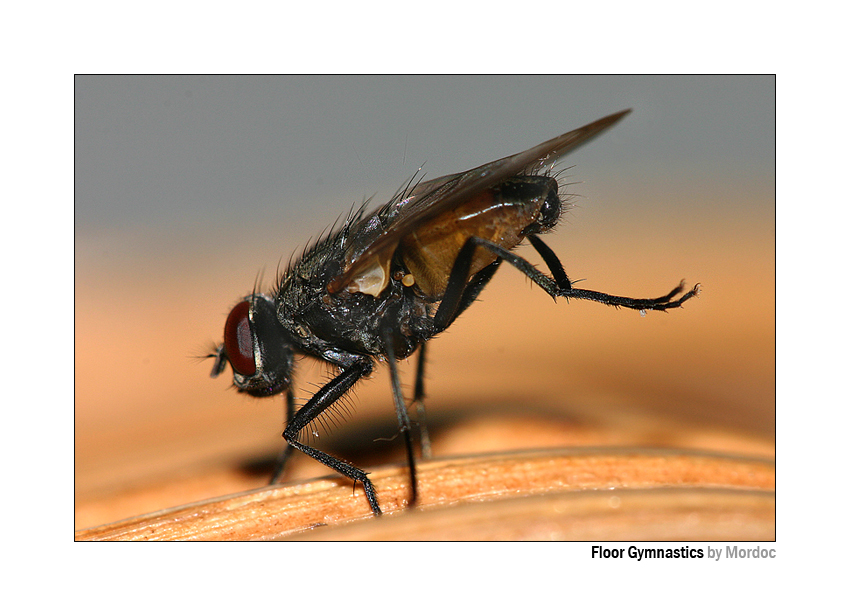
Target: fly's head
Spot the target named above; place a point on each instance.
(257, 347)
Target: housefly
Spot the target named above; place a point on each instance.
(383, 284)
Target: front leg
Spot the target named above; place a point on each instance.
(319, 403)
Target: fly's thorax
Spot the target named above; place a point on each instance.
(357, 321)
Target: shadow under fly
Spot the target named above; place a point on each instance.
(384, 283)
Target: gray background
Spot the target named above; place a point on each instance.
(192, 154)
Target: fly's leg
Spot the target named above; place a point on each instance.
(419, 405)
(565, 288)
(467, 293)
(552, 262)
(558, 286)
(401, 411)
(459, 295)
(280, 464)
(318, 404)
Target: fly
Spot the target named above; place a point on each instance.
(383, 284)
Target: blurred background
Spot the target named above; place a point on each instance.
(189, 188)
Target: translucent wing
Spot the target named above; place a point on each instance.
(372, 249)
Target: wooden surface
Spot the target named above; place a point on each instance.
(585, 493)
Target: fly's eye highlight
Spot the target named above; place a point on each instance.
(238, 341)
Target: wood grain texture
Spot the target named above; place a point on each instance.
(582, 493)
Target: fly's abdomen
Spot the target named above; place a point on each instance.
(504, 214)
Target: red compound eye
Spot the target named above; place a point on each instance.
(238, 342)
